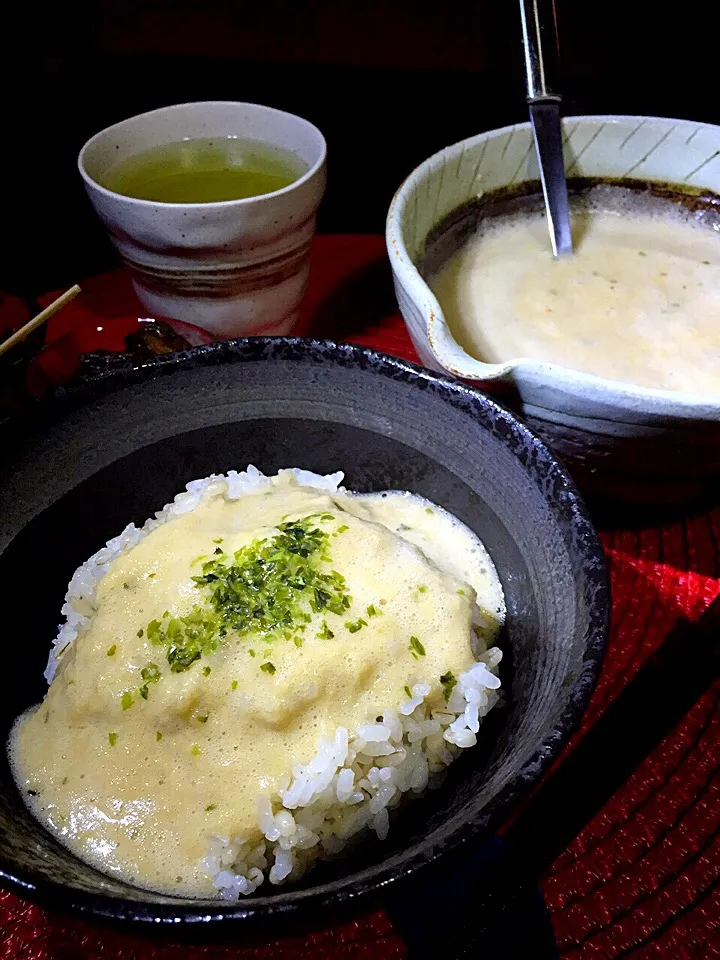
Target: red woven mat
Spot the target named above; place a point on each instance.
(642, 879)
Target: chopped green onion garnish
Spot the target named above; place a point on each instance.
(210, 807)
(408, 691)
(234, 685)
(342, 528)
(112, 650)
(357, 625)
(126, 700)
(326, 633)
(158, 736)
(150, 674)
(140, 632)
(422, 588)
(112, 739)
(267, 589)
(372, 611)
(416, 648)
(461, 592)
(206, 671)
(267, 668)
(195, 750)
(448, 681)
(218, 540)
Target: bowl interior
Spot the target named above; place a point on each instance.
(116, 453)
(622, 197)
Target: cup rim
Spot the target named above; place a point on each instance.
(214, 204)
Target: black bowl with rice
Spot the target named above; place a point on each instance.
(84, 466)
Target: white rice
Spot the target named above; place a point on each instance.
(354, 779)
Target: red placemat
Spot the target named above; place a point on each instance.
(642, 879)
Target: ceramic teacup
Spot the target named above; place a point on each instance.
(236, 267)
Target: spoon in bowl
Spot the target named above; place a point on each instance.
(539, 30)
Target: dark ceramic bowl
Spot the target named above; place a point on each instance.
(76, 472)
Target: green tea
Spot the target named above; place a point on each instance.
(205, 171)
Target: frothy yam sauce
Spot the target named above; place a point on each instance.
(639, 300)
(447, 543)
(136, 783)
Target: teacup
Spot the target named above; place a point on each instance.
(235, 267)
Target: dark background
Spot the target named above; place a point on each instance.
(388, 83)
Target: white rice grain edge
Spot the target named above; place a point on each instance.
(354, 779)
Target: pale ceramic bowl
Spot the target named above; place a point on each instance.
(234, 268)
(622, 441)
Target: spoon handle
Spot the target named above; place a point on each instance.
(540, 44)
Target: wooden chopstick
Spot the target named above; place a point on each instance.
(37, 321)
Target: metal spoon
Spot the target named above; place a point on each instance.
(539, 29)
